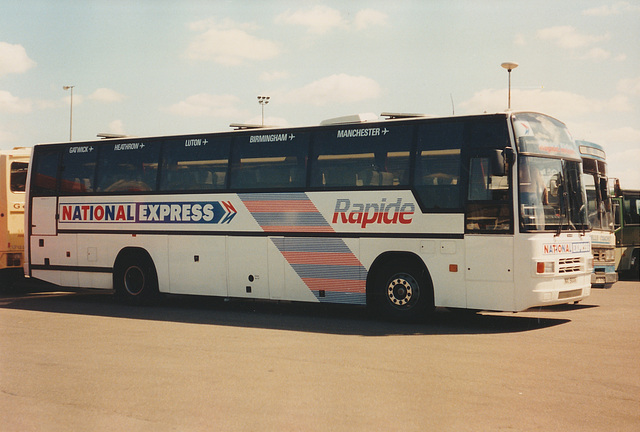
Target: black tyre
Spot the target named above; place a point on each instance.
(402, 291)
(135, 279)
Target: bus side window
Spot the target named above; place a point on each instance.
(347, 158)
(128, 167)
(437, 166)
(194, 164)
(77, 174)
(44, 178)
(488, 207)
(18, 176)
(438, 178)
(269, 164)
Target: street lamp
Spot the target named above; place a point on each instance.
(71, 112)
(509, 66)
(263, 100)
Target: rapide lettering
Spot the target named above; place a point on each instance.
(175, 212)
(363, 214)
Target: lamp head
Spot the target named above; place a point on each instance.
(509, 66)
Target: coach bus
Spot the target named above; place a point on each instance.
(600, 214)
(13, 176)
(403, 214)
(626, 205)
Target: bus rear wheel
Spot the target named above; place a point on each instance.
(402, 292)
(134, 279)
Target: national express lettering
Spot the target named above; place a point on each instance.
(176, 212)
(364, 214)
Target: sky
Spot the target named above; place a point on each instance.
(191, 66)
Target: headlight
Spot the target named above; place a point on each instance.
(609, 255)
(545, 267)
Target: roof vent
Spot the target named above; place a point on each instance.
(112, 136)
(392, 116)
(356, 118)
(244, 126)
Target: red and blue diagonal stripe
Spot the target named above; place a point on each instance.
(325, 264)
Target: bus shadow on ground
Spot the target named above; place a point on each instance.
(287, 316)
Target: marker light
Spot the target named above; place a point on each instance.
(545, 267)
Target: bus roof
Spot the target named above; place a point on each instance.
(17, 151)
(591, 150)
(357, 119)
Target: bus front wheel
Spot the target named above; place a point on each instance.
(134, 278)
(402, 292)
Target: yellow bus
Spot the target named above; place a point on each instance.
(13, 174)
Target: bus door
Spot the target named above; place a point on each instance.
(43, 219)
(489, 232)
(44, 202)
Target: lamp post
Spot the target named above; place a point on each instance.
(70, 112)
(509, 66)
(263, 100)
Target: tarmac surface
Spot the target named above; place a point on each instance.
(81, 362)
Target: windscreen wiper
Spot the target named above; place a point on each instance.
(562, 201)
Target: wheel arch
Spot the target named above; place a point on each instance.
(387, 258)
(132, 251)
(136, 255)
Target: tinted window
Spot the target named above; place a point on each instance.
(437, 174)
(45, 172)
(128, 167)
(77, 174)
(198, 163)
(361, 157)
(18, 176)
(488, 198)
(269, 161)
(488, 133)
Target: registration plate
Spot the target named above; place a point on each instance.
(570, 280)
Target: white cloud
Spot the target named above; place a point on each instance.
(368, 18)
(106, 95)
(7, 137)
(561, 104)
(519, 40)
(620, 145)
(629, 86)
(117, 127)
(620, 166)
(625, 135)
(339, 88)
(319, 19)
(613, 9)
(568, 37)
(596, 54)
(274, 75)
(225, 24)
(228, 43)
(78, 99)
(14, 59)
(14, 105)
(207, 105)
(268, 120)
